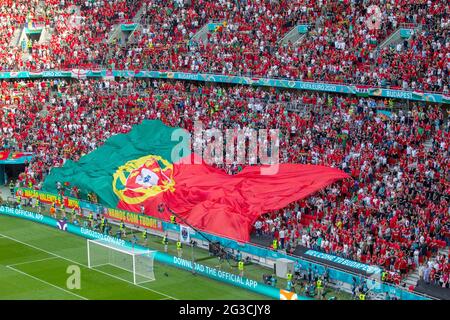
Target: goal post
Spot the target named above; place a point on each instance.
(137, 263)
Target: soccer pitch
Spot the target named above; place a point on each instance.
(34, 263)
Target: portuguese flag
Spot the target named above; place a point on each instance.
(135, 170)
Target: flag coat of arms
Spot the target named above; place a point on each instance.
(134, 172)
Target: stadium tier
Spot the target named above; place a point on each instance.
(400, 44)
(357, 179)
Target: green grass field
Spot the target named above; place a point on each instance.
(34, 260)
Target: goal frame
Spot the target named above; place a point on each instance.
(129, 252)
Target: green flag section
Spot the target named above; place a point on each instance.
(94, 171)
(135, 172)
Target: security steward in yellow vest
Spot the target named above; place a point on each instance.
(73, 213)
(173, 219)
(275, 244)
(241, 268)
(165, 242)
(91, 219)
(362, 296)
(37, 204)
(102, 224)
(179, 249)
(144, 235)
(319, 286)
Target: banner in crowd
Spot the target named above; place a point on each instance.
(48, 198)
(10, 157)
(135, 172)
(344, 262)
(185, 234)
(136, 219)
(128, 27)
(205, 77)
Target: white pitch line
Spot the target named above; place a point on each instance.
(47, 283)
(33, 261)
(138, 285)
(75, 262)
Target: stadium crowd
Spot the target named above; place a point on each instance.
(341, 46)
(393, 213)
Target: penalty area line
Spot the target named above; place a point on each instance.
(47, 283)
(78, 263)
(33, 261)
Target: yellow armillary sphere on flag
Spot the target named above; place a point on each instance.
(138, 180)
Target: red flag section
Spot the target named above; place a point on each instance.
(228, 205)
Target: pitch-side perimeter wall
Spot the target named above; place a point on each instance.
(161, 257)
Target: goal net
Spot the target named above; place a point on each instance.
(129, 264)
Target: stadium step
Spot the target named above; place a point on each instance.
(414, 277)
(295, 35)
(16, 37)
(134, 36)
(209, 27)
(201, 34)
(399, 35)
(138, 15)
(116, 34)
(26, 56)
(125, 36)
(46, 35)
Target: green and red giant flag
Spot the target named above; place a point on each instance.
(134, 171)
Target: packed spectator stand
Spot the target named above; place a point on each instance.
(340, 47)
(395, 211)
